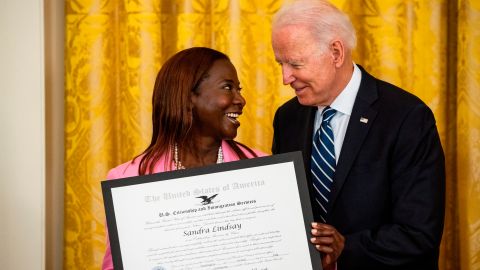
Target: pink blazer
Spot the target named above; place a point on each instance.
(130, 169)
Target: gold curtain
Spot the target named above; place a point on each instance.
(115, 48)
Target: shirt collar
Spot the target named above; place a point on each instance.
(345, 100)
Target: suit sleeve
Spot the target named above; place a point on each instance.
(275, 146)
(417, 183)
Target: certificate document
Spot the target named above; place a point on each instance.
(250, 214)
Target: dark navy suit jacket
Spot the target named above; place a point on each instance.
(389, 186)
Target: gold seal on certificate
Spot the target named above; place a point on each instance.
(248, 214)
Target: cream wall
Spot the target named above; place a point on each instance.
(22, 139)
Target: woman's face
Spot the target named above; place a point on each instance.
(218, 102)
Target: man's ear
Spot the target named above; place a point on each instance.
(338, 52)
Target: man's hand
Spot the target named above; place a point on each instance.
(329, 242)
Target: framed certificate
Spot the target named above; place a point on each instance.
(250, 214)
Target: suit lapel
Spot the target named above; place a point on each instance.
(307, 137)
(305, 143)
(357, 131)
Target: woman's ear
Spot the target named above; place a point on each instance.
(338, 52)
(193, 100)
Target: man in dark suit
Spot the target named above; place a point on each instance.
(375, 167)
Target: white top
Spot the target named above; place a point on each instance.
(343, 104)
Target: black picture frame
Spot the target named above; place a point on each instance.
(295, 157)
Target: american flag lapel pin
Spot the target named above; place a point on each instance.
(363, 120)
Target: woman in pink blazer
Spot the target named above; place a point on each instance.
(195, 108)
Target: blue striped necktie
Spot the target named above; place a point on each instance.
(323, 162)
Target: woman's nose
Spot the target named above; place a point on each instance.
(238, 98)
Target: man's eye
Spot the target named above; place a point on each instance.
(227, 87)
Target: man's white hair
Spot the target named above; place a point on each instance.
(324, 19)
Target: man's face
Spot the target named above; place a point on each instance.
(308, 70)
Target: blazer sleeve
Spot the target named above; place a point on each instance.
(107, 263)
(417, 183)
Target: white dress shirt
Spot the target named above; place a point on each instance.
(343, 104)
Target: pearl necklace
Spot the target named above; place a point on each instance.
(178, 163)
